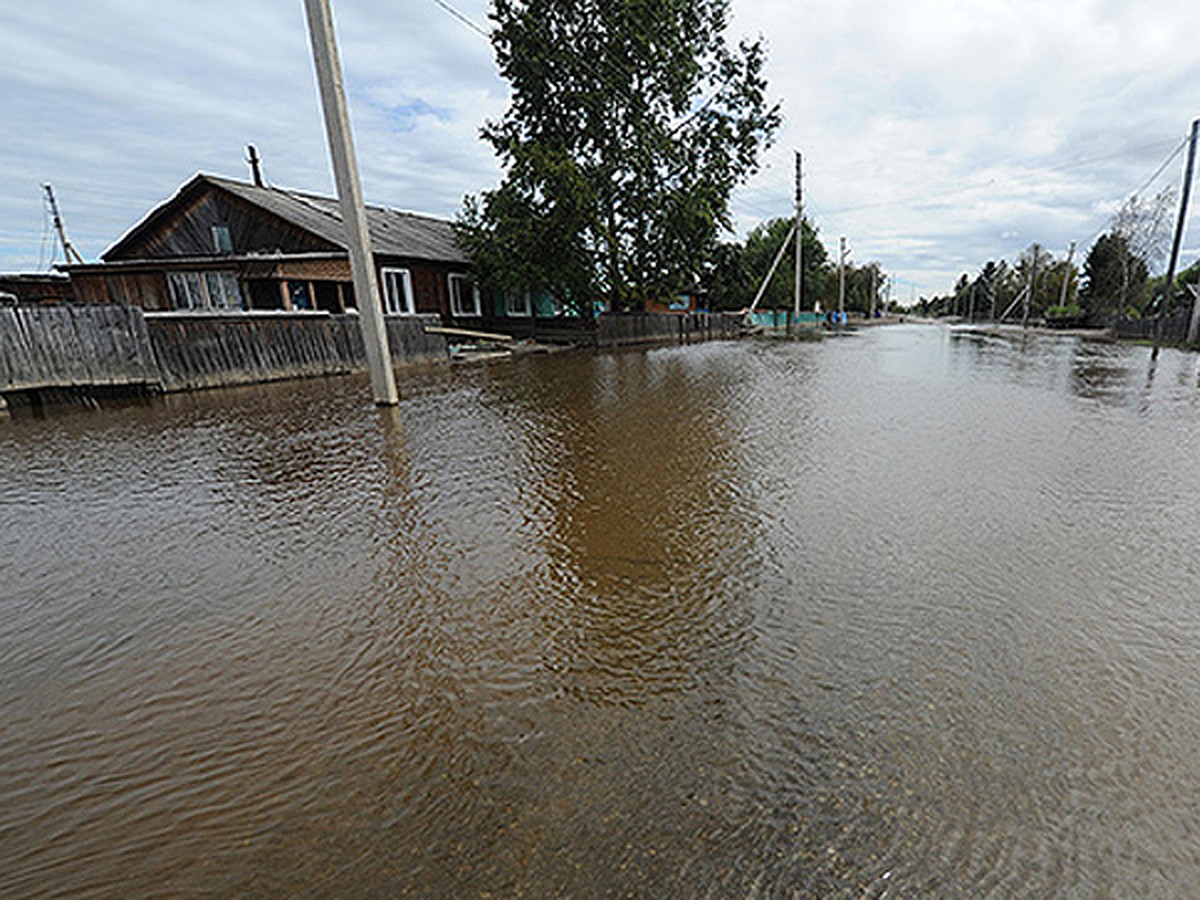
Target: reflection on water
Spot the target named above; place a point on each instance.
(908, 613)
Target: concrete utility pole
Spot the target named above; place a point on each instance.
(762, 288)
(1179, 223)
(1062, 297)
(842, 251)
(354, 215)
(1194, 324)
(874, 292)
(799, 243)
(1029, 293)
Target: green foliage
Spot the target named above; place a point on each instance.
(1182, 295)
(737, 270)
(631, 122)
(1001, 288)
(1114, 277)
(1070, 311)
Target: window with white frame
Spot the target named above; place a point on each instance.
(517, 303)
(397, 292)
(222, 241)
(464, 296)
(204, 290)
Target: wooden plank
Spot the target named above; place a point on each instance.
(465, 333)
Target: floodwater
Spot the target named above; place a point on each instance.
(911, 613)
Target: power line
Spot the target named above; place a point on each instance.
(1149, 181)
(465, 19)
(623, 68)
(1025, 176)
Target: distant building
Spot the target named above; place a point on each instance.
(34, 289)
(681, 304)
(222, 245)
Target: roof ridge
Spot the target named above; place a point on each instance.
(306, 197)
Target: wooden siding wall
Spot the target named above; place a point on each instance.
(73, 346)
(147, 290)
(251, 230)
(38, 289)
(429, 289)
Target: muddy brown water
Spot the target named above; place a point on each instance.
(909, 613)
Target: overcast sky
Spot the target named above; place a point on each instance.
(936, 134)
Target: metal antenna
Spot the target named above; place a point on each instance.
(69, 250)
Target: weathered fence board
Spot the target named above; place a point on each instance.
(646, 328)
(73, 346)
(209, 351)
(51, 347)
(1175, 327)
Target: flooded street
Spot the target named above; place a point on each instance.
(910, 613)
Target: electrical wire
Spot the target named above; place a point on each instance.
(628, 72)
(1149, 181)
(464, 18)
(625, 69)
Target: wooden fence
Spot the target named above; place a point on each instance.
(105, 345)
(242, 348)
(624, 329)
(74, 346)
(1175, 327)
(46, 348)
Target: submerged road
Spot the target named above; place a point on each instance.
(911, 612)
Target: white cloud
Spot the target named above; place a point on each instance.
(936, 133)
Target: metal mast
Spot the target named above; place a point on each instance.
(69, 250)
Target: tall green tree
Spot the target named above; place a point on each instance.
(736, 270)
(630, 124)
(1114, 279)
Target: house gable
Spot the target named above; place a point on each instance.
(184, 227)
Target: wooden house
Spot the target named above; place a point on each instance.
(222, 245)
(37, 288)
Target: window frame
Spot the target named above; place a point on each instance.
(390, 276)
(526, 309)
(205, 290)
(222, 239)
(461, 278)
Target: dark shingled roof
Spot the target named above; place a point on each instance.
(393, 233)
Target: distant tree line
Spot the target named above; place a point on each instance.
(1114, 281)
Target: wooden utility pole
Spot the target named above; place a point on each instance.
(354, 215)
(69, 250)
(1179, 223)
(799, 243)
